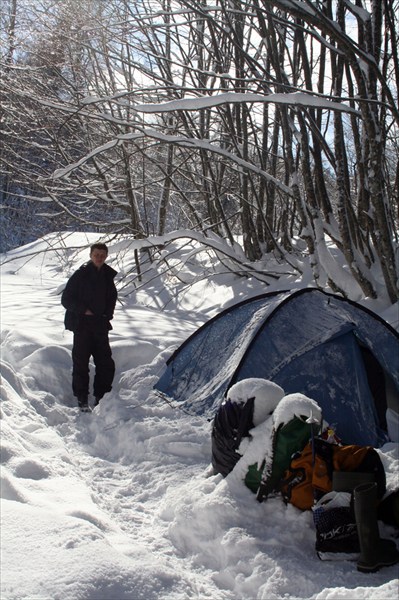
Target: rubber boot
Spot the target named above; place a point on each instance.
(347, 481)
(374, 551)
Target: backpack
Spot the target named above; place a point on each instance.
(231, 424)
(310, 473)
(288, 438)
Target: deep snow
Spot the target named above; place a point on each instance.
(121, 503)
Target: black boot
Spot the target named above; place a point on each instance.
(374, 551)
(83, 403)
(97, 400)
(347, 481)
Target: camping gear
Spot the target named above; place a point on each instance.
(265, 478)
(334, 518)
(250, 402)
(310, 474)
(388, 509)
(346, 481)
(230, 425)
(375, 552)
(336, 531)
(287, 440)
(263, 428)
(329, 348)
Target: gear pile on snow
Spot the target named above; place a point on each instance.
(280, 444)
(267, 370)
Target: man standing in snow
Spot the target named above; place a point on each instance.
(89, 298)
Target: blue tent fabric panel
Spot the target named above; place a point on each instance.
(199, 372)
(301, 348)
(306, 321)
(334, 375)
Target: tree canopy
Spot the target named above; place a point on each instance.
(258, 122)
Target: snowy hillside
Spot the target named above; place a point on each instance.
(121, 504)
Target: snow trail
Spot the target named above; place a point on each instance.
(121, 504)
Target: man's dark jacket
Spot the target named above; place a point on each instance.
(93, 289)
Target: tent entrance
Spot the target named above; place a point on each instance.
(376, 380)
(347, 382)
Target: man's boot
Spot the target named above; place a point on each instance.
(374, 551)
(97, 400)
(83, 403)
(347, 481)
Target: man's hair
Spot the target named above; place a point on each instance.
(99, 246)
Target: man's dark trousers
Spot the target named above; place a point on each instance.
(92, 340)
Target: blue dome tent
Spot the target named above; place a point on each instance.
(331, 349)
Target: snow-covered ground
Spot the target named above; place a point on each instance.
(121, 504)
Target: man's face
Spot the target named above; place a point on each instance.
(98, 257)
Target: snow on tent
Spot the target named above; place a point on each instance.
(333, 350)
